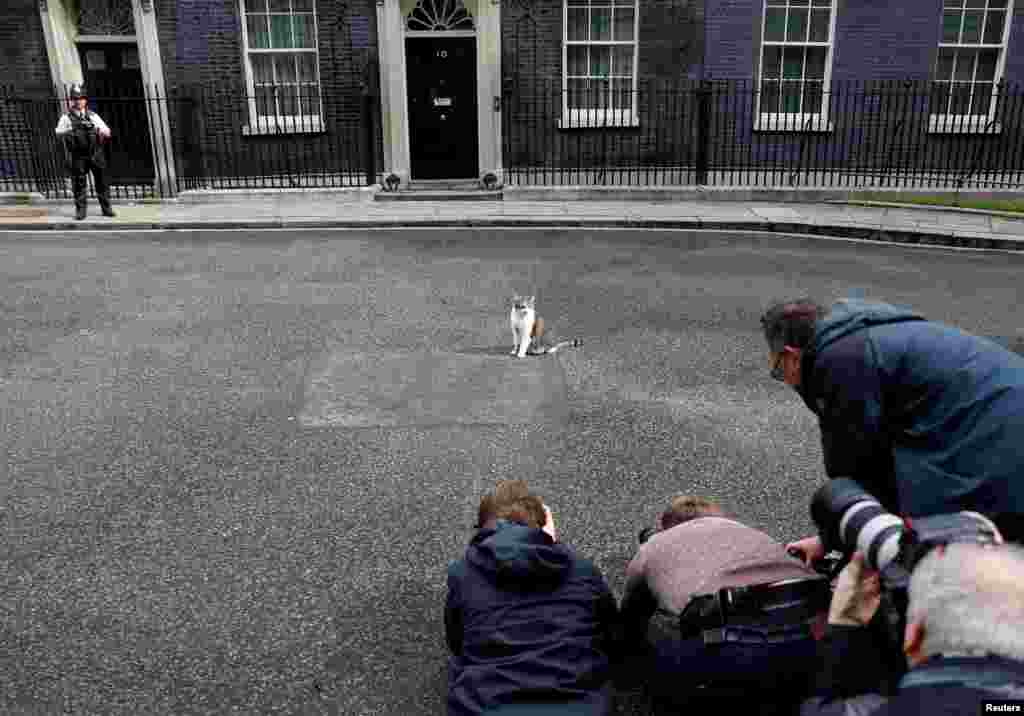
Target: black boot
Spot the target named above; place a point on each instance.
(80, 213)
(108, 211)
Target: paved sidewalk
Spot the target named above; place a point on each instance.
(357, 209)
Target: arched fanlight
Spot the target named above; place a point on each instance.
(105, 17)
(438, 15)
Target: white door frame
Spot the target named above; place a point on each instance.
(391, 19)
(60, 30)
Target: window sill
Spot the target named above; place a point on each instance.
(792, 123)
(962, 124)
(271, 128)
(588, 119)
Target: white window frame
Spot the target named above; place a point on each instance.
(945, 123)
(578, 117)
(803, 121)
(280, 124)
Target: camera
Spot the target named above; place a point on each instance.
(849, 520)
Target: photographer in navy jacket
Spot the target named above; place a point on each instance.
(964, 639)
(529, 624)
(928, 418)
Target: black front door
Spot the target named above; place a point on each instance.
(113, 80)
(441, 75)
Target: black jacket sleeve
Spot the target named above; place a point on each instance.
(854, 674)
(609, 619)
(638, 606)
(851, 661)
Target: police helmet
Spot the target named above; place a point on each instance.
(78, 91)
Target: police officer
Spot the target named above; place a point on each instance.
(83, 133)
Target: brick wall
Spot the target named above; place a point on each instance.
(202, 45)
(670, 50)
(25, 69)
(1015, 50)
(880, 40)
(23, 60)
(732, 29)
(891, 45)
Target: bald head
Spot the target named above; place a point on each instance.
(970, 598)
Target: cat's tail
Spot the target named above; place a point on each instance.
(574, 343)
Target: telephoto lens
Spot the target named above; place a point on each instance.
(850, 519)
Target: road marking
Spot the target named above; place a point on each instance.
(418, 388)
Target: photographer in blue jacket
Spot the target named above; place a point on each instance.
(927, 417)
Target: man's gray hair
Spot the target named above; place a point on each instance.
(791, 323)
(970, 598)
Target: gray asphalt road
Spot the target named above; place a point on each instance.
(237, 465)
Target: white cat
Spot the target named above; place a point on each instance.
(528, 329)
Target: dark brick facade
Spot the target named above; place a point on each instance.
(25, 70)
(670, 51)
(201, 41)
(681, 42)
(23, 61)
(892, 45)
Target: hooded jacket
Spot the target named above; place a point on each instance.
(926, 417)
(526, 620)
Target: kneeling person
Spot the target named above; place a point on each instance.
(529, 624)
(695, 552)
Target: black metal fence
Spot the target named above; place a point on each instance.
(195, 138)
(598, 132)
(728, 133)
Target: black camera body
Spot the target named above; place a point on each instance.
(849, 519)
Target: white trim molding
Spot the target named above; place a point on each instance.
(392, 31)
(488, 73)
(963, 124)
(598, 119)
(781, 122)
(152, 68)
(284, 125)
(394, 115)
(107, 38)
(60, 32)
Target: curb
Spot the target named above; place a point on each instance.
(929, 207)
(860, 232)
(347, 194)
(572, 193)
(747, 194)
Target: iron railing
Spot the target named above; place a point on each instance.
(863, 134)
(684, 133)
(198, 137)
